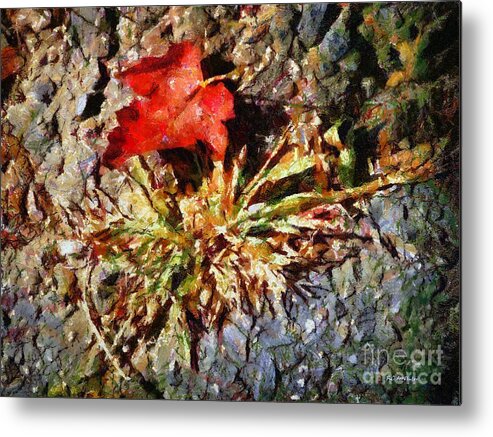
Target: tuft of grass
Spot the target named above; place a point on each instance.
(198, 253)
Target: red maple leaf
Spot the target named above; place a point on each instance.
(174, 109)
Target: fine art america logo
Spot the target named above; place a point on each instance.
(421, 366)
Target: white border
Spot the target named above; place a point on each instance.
(53, 417)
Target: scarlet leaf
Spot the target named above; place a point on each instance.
(174, 109)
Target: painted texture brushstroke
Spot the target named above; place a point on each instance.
(231, 203)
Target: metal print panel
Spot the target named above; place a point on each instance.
(244, 202)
